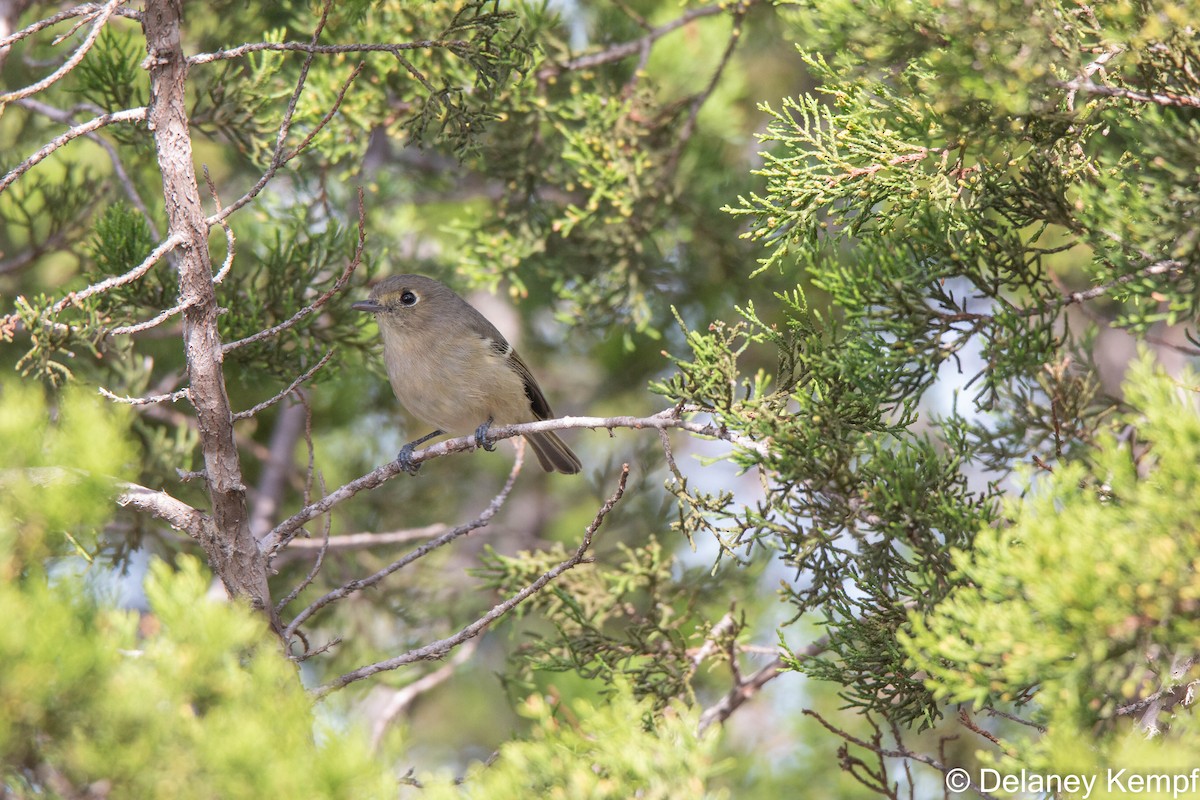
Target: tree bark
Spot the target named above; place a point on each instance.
(232, 552)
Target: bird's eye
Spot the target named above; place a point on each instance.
(408, 299)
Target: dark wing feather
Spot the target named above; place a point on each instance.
(537, 400)
(486, 330)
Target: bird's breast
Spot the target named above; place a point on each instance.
(454, 386)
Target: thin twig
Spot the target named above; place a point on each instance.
(1164, 98)
(357, 585)
(171, 242)
(995, 712)
(627, 49)
(1160, 268)
(316, 567)
(320, 301)
(349, 542)
(747, 688)
(964, 717)
(278, 158)
(900, 751)
(689, 125)
(250, 412)
(83, 129)
(439, 649)
(170, 397)
(723, 626)
(70, 64)
(323, 49)
(666, 419)
(86, 9)
(230, 239)
(123, 178)
(153, 322)
(337, 104)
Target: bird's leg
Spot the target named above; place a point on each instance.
(406, 453)
(481, 436)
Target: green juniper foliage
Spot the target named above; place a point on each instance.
(1089, 589)
(973, 196)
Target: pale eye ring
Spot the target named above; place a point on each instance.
(407, 298)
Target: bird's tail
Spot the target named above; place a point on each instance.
(553, 454)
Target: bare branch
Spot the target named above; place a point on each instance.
(1159, 268)
(724, 626)
(230, 239)
(176, 513)
(306, 548)
(171, 397)
(337, 104)
(122, 176)
(744, 689)
(439, 649)
(995, 712)
(663, 420)
(171, 242)
(83, 129)
(356, 585)
(250, 412)
(312, 573)
(338, 285)
(1164, 98)
(101, 18)
(145, 325)
(86, 9)
(278, 158)
(324, 49)
(689, 125)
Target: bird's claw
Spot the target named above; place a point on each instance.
(481, 439)
(405, 458)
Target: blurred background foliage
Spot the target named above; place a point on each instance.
(907, 248)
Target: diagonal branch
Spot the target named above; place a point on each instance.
(357, 585)
(325, 297)
(85, 9)
(101, 18)
(745, 689)
(264, 405)
(122, 175)
(83, 129)
(438, 650)
(1163, 98)
(167, 508)
(635, 46)
(278, 157)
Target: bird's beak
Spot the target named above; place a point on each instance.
(368, 306)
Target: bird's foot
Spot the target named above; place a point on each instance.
(481, 439)
(405, 455)
(405, 458)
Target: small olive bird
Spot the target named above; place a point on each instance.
(453, 370)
